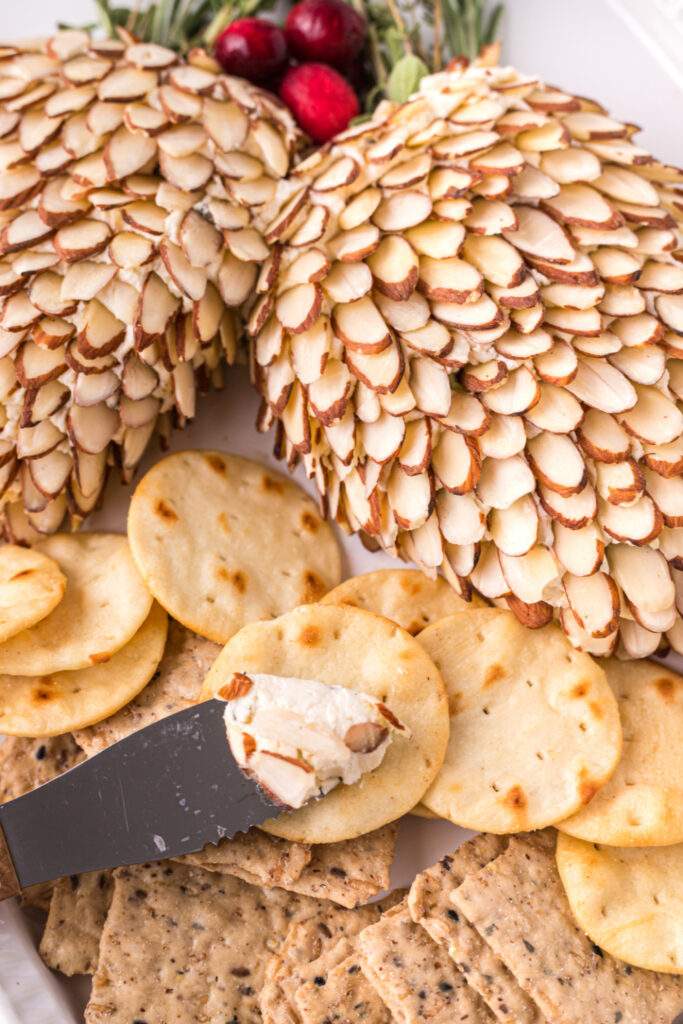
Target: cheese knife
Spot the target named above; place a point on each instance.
(168, 789)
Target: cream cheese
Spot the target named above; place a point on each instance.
(299, 738)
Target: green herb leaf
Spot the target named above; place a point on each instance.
(405, 77)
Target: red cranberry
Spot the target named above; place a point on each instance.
(321, 100)
(252, 48)
(330, 31)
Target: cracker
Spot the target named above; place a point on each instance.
(174, 686)
(642, 804)
(222, 541)
(535, 727)
(630, 902)
(430, 906)
(354, 648)
(28, 763)
(104, 605)
(406, 596)
(255, 857)
(518, 905)
(312, 944)
(342, 995)
(58, 703)
(349, 873)
(415, 978)
(78, 910)
(31, 585)
(181, 944)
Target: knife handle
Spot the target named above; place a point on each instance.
(9, 883)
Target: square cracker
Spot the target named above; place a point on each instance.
(181, 944)
(78, 910)
(430, 906)
(326, 936)
(518, 905)
(174, 686)
(415, 978)
(342, 995)
(348, 873)
(26, 764)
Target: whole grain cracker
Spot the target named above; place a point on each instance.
(415, 978)
(28, 763)
(630, 902)
(349, 873)
(322, 939)
(430, 906)
(535, 728)
(63, 701)
(181, 944)
(518, 905)
(406, 596)
(174, 686)
(342, 995)
(222, 541)
(353, 648)
(31, 585)
(78, 910)
(642, 804)
(104, 605)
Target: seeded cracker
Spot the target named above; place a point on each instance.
(430, 906)
(323, 939)
(222, 541)
(78, 910)
(25, 764)
(518, 905)
(416, 979)
(175, 686)
(181, 944)
(349, 873)
(345, 997)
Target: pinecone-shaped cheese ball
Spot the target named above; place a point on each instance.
(472, 334)
(128, 185)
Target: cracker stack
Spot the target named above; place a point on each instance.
(473, 342)
(127, 185)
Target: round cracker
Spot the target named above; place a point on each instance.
(58, 703)
(405, 596)
(104, 605)
(642, 804)
(534, 725)
(629, 902)
(31, 585)
(222, 541)
(353, 648)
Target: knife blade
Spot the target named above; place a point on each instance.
(165, 790)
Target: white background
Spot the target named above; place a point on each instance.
(583, 45)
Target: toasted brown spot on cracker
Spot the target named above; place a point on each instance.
(164, 510)
(239, 581)
(44, 694)
(100, 657)
(581, 689)
(596, 708)
(223, 522)
(665, 687)
(310, 522)
(249, 744)
(217, 464)
(270, 484)
(313, 587)
(587, 790)
(516, 798)
(22, 575)
(493, 674)
(454, 702)
(310, 636)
